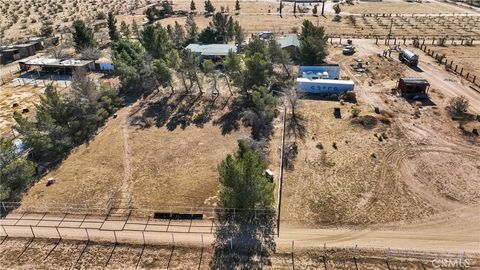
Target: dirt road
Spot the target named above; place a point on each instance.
(446, 82)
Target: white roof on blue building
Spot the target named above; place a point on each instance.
(212, 49)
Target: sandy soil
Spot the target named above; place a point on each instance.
(62, 15)
(409, 181)
(171, 162)
(390, 6)
(465, 57)
(105, 256)
(24, 96)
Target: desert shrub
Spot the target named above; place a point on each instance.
(458, 106)
(355, 111)
(368, 121)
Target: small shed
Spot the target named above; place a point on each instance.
(38, 42)
(291, 44)
(412, 87)
(9, 55)
(26, 50)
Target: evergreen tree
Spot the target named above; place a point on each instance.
(207, 36)
(162, 74)
(83, 36)
(238, 33)
(128, 60)
(178, 35)
(16, 173)
(313, 44)
(243, 184)
(209, 69)
(256, 45)
(112, 28)
(192, 6)
(230, 29)
(135, 29)
(192, 30)
(257, 71)
(125, 29)
(237, 6)
(156, 41)
(209, 8)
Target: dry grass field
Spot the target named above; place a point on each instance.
(25, 17)
(393, 167)
(172, 162)
(23, 96)
(467, 57)
(426, 7)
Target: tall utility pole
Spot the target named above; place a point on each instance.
(323, 6)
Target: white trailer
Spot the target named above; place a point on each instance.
(323, 86)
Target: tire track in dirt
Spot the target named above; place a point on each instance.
(125, 190)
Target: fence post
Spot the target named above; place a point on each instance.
(474, 77)
(31, 229)
(293, 255)
(461, 71)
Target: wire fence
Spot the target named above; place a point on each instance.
(116, 223)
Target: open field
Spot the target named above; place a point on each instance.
(69, 254)
(170, 163)
(427, 7)
(24, 97)
(399, 173)
(465, 56)
(62, 15)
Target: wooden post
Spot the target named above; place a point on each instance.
(461, 71)
(293, 255)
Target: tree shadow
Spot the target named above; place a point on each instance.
(175, 110)
(243, 243)
(296, 126)
(230, 120)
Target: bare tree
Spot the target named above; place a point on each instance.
(295, 124)
(90, 53)
(61, 51)
(82, 86)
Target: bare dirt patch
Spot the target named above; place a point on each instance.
(67, 253)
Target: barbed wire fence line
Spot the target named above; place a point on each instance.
(328, 257)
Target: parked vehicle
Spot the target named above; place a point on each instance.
(408, 57)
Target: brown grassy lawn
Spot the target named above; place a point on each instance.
(89, 175)
(178, 167)
(155, 167)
